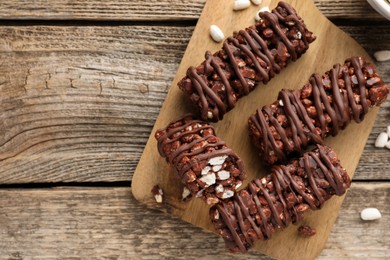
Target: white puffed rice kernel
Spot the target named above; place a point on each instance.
(205, 170)
(256, 2)
(186, 193)
(218, 36)
(223, 175)
(370, 214)
(241, 4)
(381, 140)
(382, 55)
(263, 9)
(219, 188)
(218, 160)
(209, 179)
(227, 194)
(217, 168)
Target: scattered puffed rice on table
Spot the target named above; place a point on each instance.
(382, 55)
(241, 4)
(381, 140)
(370, 214)
(263, 9)
(388, 130)
(256, 2)
(388, 145)
(216, 34)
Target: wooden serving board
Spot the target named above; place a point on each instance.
(332, 46)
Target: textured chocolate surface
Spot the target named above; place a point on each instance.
(204, 164)
(280, 198)
(252, 55)
(323, 107)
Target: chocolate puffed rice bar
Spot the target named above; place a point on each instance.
(252, 55)
(323, 107)
(203, 163)
(282, 197)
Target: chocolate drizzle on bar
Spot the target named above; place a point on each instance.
(253, 55)
(280, 198)
(189, 145)
(323, 107)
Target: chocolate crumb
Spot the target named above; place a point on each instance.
(306, 231)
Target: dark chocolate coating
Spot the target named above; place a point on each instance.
(253, 55)
(280, 198)
(188, 144)
(323, 107)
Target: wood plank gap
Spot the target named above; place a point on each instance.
(371, 181)
(357, 23)
(100, 23)
(114, 184)
(118, 184)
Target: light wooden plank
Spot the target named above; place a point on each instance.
(78, 103)
(109, 223)
(152, 10)
(353, 238)
(104, 106)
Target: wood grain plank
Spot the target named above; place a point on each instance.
(105, 105)
(152, 10)
(109, 223)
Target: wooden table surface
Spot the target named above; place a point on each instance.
(81, 86)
